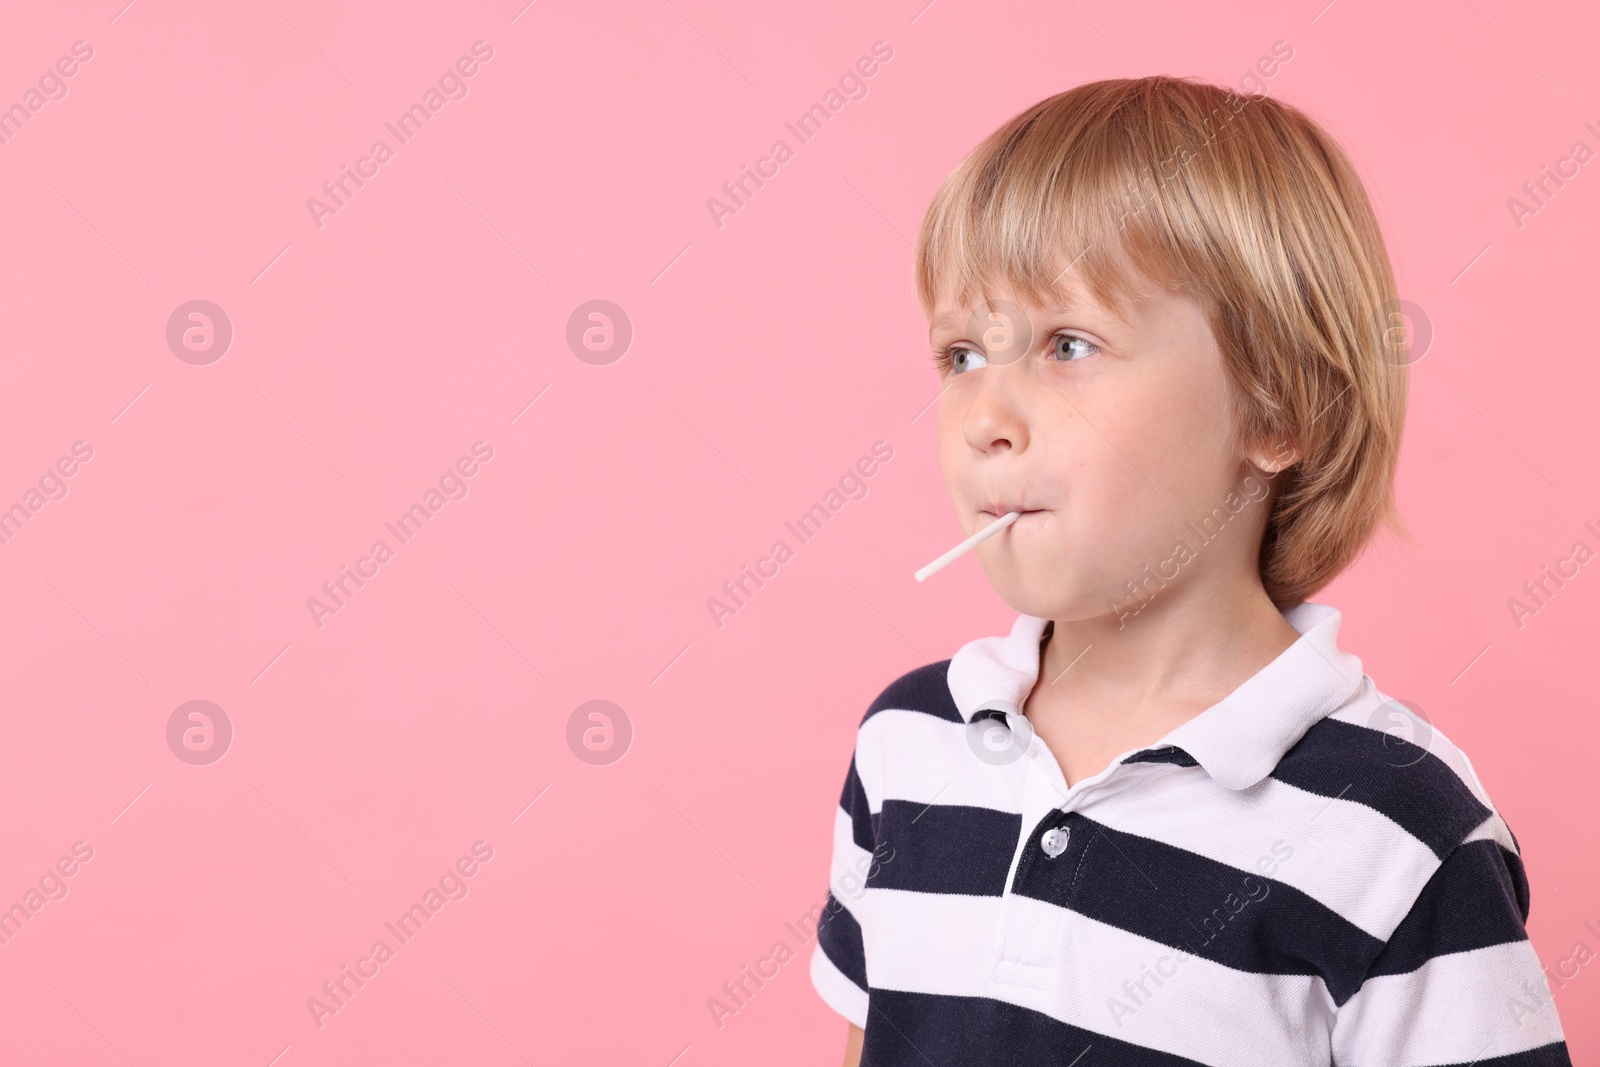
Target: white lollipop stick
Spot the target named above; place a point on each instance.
(988, 531)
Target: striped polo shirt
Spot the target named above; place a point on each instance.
(1282, 880)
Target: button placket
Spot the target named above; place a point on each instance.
(1023, 956)
(1026, 949)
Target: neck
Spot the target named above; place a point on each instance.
(1182, 653)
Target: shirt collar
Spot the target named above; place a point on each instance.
(1238, 740)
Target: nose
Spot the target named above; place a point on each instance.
(996, 413)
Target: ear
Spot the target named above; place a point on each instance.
(1275, 455)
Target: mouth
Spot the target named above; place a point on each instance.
(989, 515)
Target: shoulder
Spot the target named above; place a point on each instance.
(1386, 755)
(1420, 843)
(908, 720)
(925, 690)
(1425, 862)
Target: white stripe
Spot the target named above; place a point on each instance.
(1458, 1008)
(1085, 973)
(837, 991)
(922, 759)
(1494, 829)
(1347, 856)
(912, 756)
(847, 874)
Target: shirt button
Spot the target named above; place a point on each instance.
(1054, 841)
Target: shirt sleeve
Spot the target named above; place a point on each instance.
(838, 963)
(1458, 982)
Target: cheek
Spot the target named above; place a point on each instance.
(1179, 435)
(953, 451)
(1133, 485)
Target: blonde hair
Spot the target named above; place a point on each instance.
(1245, 204)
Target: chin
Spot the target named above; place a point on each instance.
(1030, 597)
(1050, 599)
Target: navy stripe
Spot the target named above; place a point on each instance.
(1237, 918)
(1470, 902)
(1519, 880)
(853, 801)
(1414, 788)
(840, 937)
(1552, 1055)
(1519, 874)
(1165, 754)
(945, 848)
(925, 689)
(919, 1029)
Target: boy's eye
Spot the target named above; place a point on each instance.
(1064, 348)
(959, 359)
(1073, 348)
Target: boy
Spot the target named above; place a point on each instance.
(1166, 820)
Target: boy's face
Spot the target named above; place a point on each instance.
(1115, 433)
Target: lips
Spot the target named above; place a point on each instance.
(988, 518)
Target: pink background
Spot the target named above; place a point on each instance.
(767, 356)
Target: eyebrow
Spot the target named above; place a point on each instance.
(945, 321)
(954, 319)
